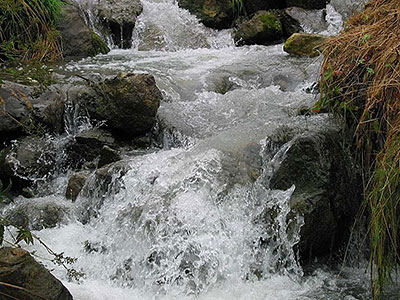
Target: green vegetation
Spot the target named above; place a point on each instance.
(238, 7)
(270, 21)
(27, 30)
(360, 82)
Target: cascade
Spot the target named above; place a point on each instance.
(187, 220)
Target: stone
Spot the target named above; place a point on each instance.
(216, 14)
(75, 185)
(263, 28)
(27, 110)
(118, 18)
(28, 160)
(78, 39)
(127, 103)
(19, 268)
(36, 215)
(308, 4)
(253, 6)
(323, 175)
(304, 44)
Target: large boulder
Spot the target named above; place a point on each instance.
(218, 14)
(118, 18)
(308, 4)
(325, 194)
(304, 44)
(128, 103)
(265, 27)
(78, 39)
(22, 277)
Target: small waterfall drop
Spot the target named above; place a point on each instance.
(188, 221)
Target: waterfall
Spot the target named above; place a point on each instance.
(189, 220)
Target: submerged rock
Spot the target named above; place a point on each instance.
(215, 14)
(128, 103)
(19, 269)
(304, 44)
(118, 18)
(78, 39)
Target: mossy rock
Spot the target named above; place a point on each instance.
(99, 46)
(19, 268)
(216, 14)
(304, 44)
(263, 28)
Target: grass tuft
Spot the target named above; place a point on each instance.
(360, 82)
(27, 30)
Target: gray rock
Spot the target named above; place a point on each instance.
(118, 19)
(323, 174)
(214, 14)
(29, 110)
(265, 28)
(28, 160)
(253, 6)
(75, 184)
(78, 39)
(88, 146)
(308, 4)
(128, 103)
(19, 268)
(36, 215)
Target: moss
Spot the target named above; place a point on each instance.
(304, 44)
(99, 46)
(270, 22)
(32, 74)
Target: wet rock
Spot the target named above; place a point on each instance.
(77, 38)
(212, 13)
(253, 6)
(348, 8)
(75, 184)
(29, 159)
(128, 103)
(304, 44)
(312, 20)
(19, 268)
(263, 28)
(266, 27)
(29, 110)
(308, 4)
(89, 146)
(323, 175)
(118, 18)
(37, 215)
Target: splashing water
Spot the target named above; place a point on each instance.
(188, 221)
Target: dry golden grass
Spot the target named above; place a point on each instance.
(360, 81)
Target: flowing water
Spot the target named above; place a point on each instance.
(185, 220)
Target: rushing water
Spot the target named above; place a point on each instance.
(184, 221)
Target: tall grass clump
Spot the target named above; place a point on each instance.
(27, 30)
(360, 81)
